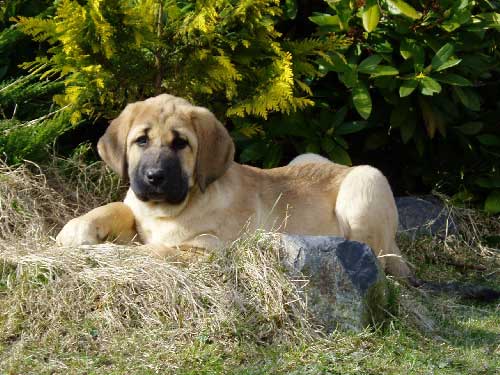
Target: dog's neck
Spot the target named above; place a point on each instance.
(152, 208)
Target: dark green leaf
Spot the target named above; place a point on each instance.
(489, 182)
(403, 117)
(384, 70)
(254, 152)
(3, 70)
(376, 140)
(407, 87)
(341, 141)
(442, 56)
(412, 49)
(350, 127)
(470, 128)
(476, 64)
(388, 83)
(407, 48)
(448, 64)
(273, 156)
(338, 63)
(362, 100)
(339, 155)
(458, 18)
(429, 86)
(369, 64)
(420, 143)
(313, 148)
(382, 46)
(349, 77)
(399, 115)
(326, 116)
(468, 97)
(489, 139)
(408, 129)
(327, 144)
(291, 8)
(492, 202)
(453, 79)
(339, 117)
(344, 14)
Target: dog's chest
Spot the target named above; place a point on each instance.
(155, 226)
(157, 230)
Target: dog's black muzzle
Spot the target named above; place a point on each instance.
(159, 177)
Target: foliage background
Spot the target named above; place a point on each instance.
(408, 86)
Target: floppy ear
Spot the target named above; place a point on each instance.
(112, 146)
(215, 147)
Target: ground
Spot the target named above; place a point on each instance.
(107, 310)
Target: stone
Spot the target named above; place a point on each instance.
(424, 217)
(347, 286)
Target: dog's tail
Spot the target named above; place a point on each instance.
(463, 290)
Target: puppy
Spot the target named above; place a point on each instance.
(187, 192)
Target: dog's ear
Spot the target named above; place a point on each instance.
(112, 146)
(215, 147)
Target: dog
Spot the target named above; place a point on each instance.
(188, 194)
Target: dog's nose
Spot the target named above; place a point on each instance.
(154, 176)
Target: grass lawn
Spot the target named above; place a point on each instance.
(108, 310)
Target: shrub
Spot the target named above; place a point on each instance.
(29, 121)
(225, 54)
(412, 82)
(418, 83)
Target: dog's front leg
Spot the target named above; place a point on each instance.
(112, 222)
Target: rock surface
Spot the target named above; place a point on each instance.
(346, 288)
(419, 217)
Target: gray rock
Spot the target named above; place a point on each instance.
(424, 217)
(347, 287)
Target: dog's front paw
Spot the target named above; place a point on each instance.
(80, 231)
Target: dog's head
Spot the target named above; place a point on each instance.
(166, 146)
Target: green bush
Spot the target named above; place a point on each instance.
(29, 120)
(414, 82)
(226, 54)
(418, 83)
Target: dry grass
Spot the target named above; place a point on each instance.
(36, 202)
(27, 204)
(470, 252)
(106, 309)
(111, 289)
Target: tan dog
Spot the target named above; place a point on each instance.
(186, 191)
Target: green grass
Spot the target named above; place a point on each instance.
(105, 310)
(469, 345)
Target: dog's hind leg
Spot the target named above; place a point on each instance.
(366, 212)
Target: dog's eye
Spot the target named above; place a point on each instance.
(142, 140)
(179, 143)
